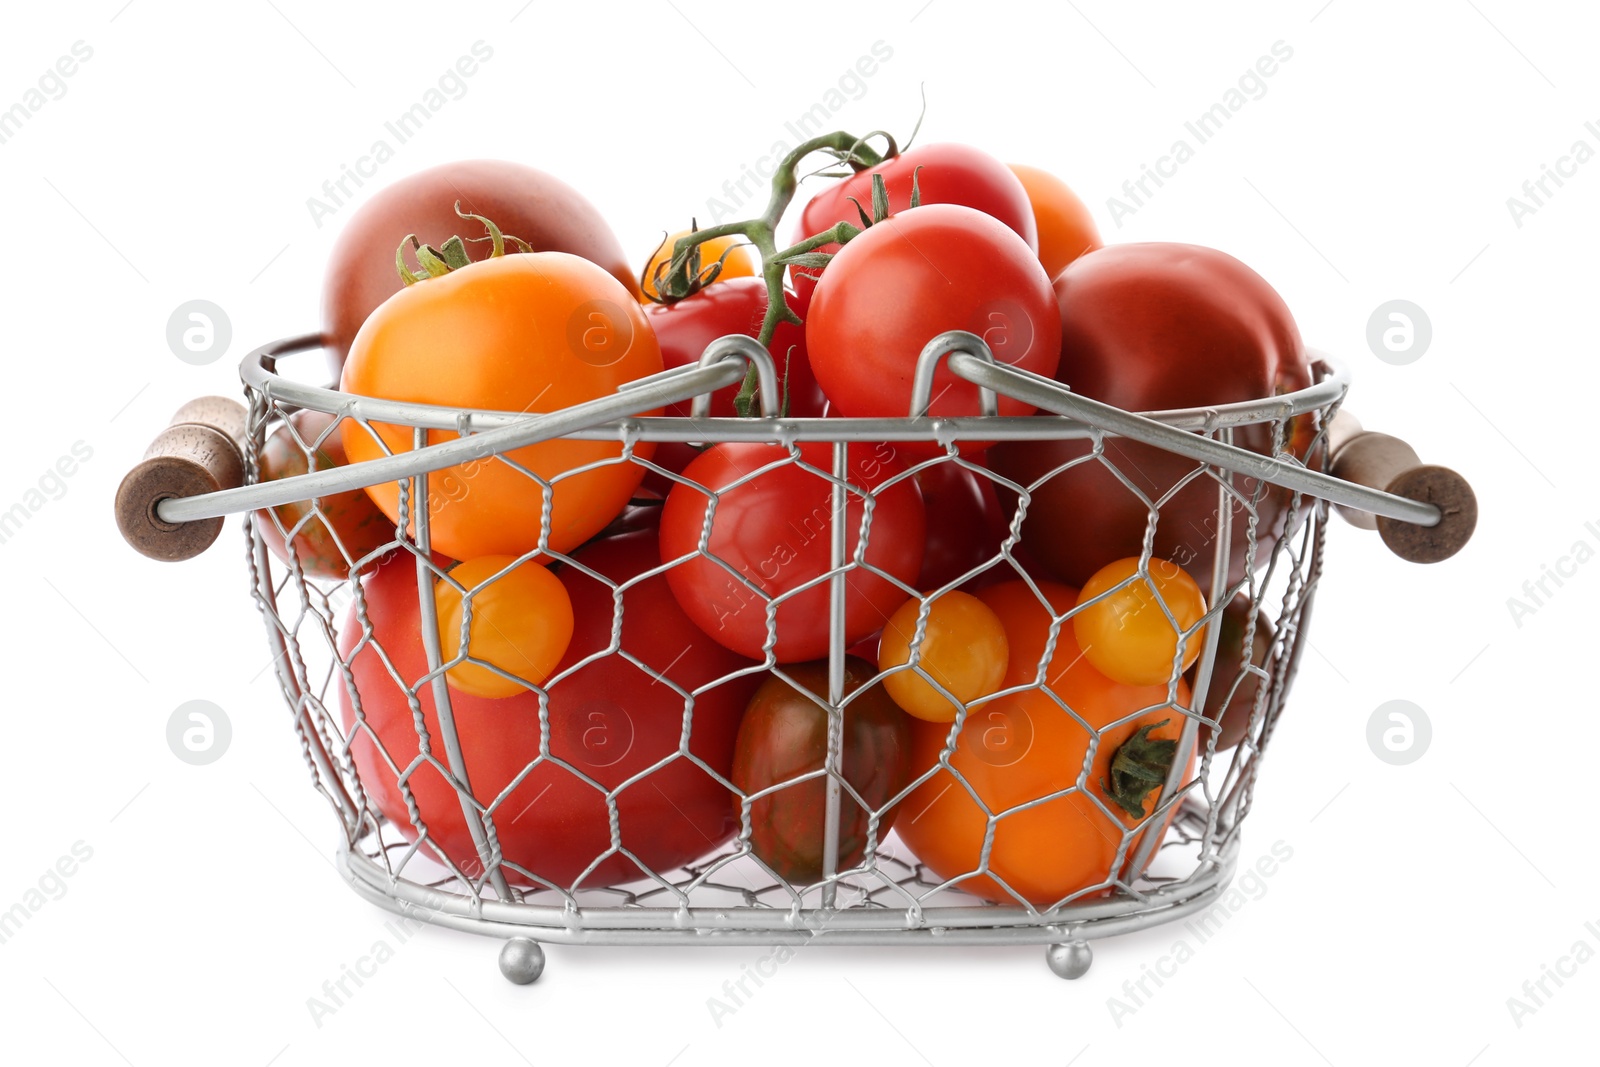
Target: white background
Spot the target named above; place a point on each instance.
(1377, 166)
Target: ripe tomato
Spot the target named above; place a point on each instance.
(521, 624)
(339, 530)
(784, 736)
(737, 254)
(773, 526)
(943, 174)
(1128, 636)
(1148, 327)
(525, 332)
(1017, 749)
(914, 275)
(971, 525)
(609, 720)
(527, 203)
(738, 305)
(963, 649)
(1231, 698)
(1066, 229)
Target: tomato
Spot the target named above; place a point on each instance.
(738, 305)
(1066, 229)
(773, 526)
(963, 649)
(737, 254)
(525, 332)
(971, 526)
(943, 174)
(784, 736)
(914, 275)
(1231, 698)
(521, 624)
(609, 720)
(1132, 635)
(340, 530)
(527, 203)
(1014, 750)
(1148, 327)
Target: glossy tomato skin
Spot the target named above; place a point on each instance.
(1149, 327)
(1231, 698)
(736, 305)
(1017, 749)
(526, 332)
(785, 735)
(349, 519)
(911, 277)
(969, 526)
(1066, 228)
(609, 721)
(944, 174)
(527, 203)
(775, 529)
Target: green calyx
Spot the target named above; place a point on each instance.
(1140, 766)
(452, 254)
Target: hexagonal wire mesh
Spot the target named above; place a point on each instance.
(543, 814)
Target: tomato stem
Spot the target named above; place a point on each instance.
(1139, 766)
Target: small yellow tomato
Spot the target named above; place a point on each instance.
(963, 649)
(1128, 637)
(521, 623)
(739, 262)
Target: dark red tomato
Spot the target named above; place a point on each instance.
(1231, 699)
(775, 529)
(944, 174)
(1148, 327)
(785, 736)
(345, 529)
(913, 276)
(968, 528)
(609, 720)
(736, 305)
(527, 203)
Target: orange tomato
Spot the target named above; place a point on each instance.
(740, 260)
(1128, 636)
(1016, 749)
(963, 649)
(527, 332)
(521, 625)
(1066, 229)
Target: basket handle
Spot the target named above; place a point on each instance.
(1379, 461)
(200, 451)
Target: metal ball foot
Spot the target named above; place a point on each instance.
(1070, 959)
(522, 960)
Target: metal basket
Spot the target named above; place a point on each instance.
(729, 896)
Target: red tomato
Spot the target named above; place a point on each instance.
(785, 736)
(1018, 749)
(1147, 327)
(609, 720)
(944, 174)
(346, 528)
(775, 529)
(970, 526)
(912, 276)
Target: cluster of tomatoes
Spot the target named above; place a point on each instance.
(635, 637)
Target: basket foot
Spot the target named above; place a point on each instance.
(522, 960)
(1070, 959)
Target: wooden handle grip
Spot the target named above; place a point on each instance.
(201, 451)
(1380, 461)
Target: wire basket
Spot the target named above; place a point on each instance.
(437, 825)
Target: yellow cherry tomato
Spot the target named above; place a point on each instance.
(1127, 636)
(521, 623)
(740, 262)
(963, 649)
